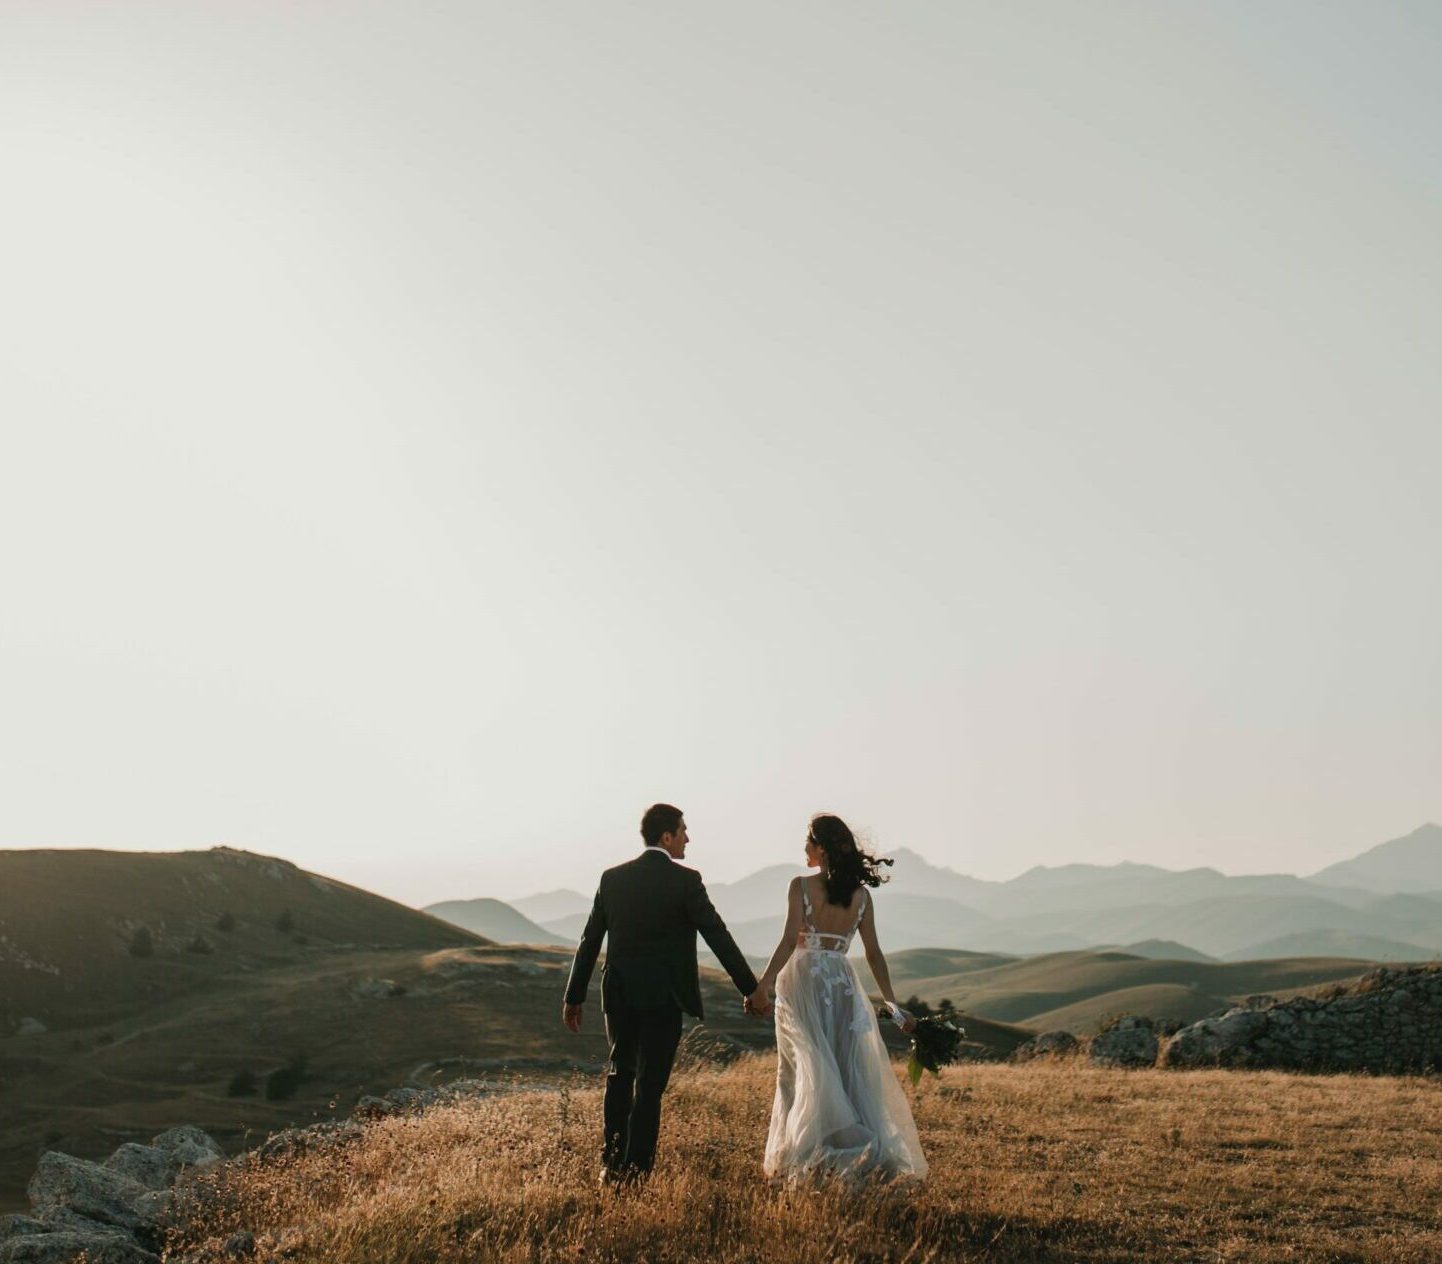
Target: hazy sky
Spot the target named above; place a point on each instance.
(434, 431)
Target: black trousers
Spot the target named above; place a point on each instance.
(643, 1046)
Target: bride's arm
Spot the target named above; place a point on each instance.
(876, 959)
(787, 946)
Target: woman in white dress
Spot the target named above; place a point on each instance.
(838, 1106)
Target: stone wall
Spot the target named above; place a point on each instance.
(1388, 1021)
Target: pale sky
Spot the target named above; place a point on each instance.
(434, 431)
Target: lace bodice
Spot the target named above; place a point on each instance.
(821, 941)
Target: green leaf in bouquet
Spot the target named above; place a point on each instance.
(913, 1070)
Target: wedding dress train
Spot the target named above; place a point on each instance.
(838, 1104)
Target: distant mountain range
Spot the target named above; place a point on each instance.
(1385, 904)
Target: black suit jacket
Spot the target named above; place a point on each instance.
(650, 909)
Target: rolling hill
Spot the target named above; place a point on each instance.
(1333, 943)
(495, 920)
(1074, 989)
(71, 923)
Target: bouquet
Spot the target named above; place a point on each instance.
(935, 1043)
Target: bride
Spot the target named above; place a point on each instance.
(838, 1104)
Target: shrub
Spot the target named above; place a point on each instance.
(225, 922)
(142, 943)
(242, 1084)
(285, 923)
(199, 944)
(281, 1084)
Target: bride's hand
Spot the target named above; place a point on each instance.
(908, 1023)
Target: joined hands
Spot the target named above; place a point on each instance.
(758, 1004)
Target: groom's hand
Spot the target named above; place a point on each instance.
(571, 1016)
(758, 1004)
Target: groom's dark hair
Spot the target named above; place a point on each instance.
(660, 818)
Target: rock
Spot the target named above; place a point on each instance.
(1216, 1041)
(377, 989)
(62, 1219)
(406, 1098)
(370, 1107)
(294, 1141)
(64, 1246)
(31, 1027)
(16, 1226)
(62, 1181)
(148, 1165)
(189, 1146)
(239, 1244)
(1125, 1046)
(1050, 1044)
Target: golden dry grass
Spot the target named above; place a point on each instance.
(1047, 1162)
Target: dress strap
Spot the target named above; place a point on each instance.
(860, 911)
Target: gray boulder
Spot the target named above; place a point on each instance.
(1130, 1042)
(148, 1165)
(1050, 1044)
(377, 989)
(64, 1246)
(31, 1027)
(1220, 1041)
(63, 1182)
(188, 1146)
(17, 1226)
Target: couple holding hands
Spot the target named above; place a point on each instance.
(838, 1104)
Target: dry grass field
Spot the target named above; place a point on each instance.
(1046, 1162)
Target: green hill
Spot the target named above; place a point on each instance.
(1029, 990)
(73, 922)
(1155, 1000)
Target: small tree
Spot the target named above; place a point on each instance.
(199, 944)
(142, 943)
(242, 1084)
(225, 922)
(285, 923)
(280, 1085)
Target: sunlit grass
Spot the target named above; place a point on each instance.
(1042, 1162)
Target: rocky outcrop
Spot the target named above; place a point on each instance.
(1050, 1044)
(1128, 1042)
(64, 1247)
(64, 1183)
(109, 1213)
(1388, 1021)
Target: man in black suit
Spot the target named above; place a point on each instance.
(650, 908)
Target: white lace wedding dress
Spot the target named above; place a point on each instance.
(838, 1104)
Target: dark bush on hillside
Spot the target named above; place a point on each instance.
(281, 1085)
(242, 1084)
(199, 944)
(142, 943)
(225, 922)
(918, 1008)
(285, 923)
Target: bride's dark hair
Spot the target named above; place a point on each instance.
(847, 866)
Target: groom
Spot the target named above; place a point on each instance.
(651, 908)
